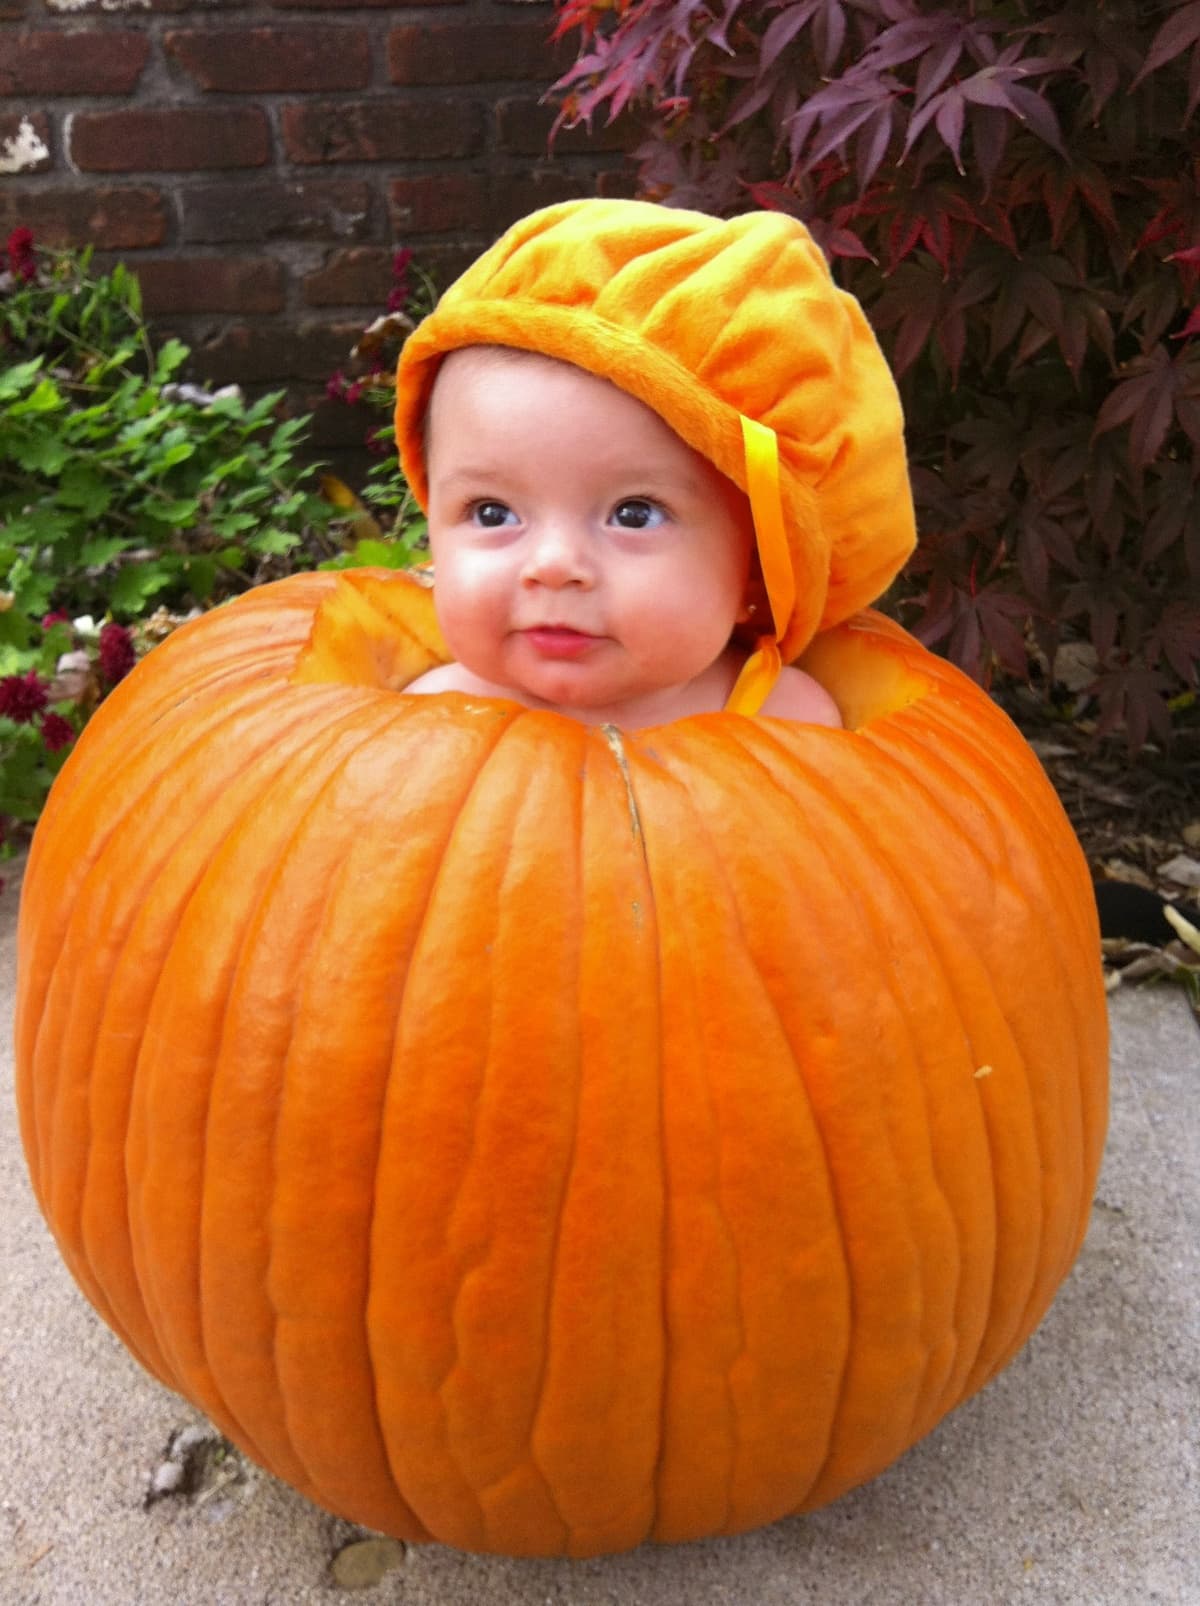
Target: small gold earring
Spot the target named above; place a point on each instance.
(752, 607)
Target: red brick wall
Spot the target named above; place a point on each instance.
(258, 161)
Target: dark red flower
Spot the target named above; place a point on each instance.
(22, 697)
(57, 732)
(335, 386)
(59, 617)
(117, 653)
(401, 289)
(354, 391)
(20, 254)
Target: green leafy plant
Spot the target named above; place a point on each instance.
(1012, 189)
(119, 485)
(122, 491)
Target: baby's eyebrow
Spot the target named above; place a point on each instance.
(470, 474)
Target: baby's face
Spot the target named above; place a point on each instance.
(585, 556)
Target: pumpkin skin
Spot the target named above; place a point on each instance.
(540, 1138)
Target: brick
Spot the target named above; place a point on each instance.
(169, 139)
(315, 210)
(73, 62)
(24, 142)
(445, 260)
(111, 219)
(438, 203)
(523, 129)
(12, 10)
(211, 284)
(268, 60)
(359, 277)
(140, 7)
(470, 52)
(353, 5)
(390, 130)
(249, 354)
(515, 194)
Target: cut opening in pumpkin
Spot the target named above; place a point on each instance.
(382, 631)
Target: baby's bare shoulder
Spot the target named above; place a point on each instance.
(798, 696)
(446, 677)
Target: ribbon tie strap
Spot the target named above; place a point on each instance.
(761, 670)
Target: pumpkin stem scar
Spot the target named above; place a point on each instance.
(613, 737)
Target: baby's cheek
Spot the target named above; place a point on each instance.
(470, 611)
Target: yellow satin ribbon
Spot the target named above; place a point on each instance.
(761, 670)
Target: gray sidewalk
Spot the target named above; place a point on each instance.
(1074, 1478)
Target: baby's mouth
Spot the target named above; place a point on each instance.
(558, 641)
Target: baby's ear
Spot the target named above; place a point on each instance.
(755, 609)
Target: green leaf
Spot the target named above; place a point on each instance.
(81, 487)
(274, 543)
(18, 377)
(233, 523)
(172, 356)
(181, 514)
(16, 630)
(178, 453)
(201, 575)
(136, 582)
(95, 554)
(44, 398)
(40, 454)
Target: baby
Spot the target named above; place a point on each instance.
(586, 559)
(659, 452)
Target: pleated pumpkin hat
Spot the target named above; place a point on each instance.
(733, 331)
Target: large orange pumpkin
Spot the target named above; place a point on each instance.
(540, 1138)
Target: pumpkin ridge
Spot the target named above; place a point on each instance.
(1049, 865)
(985, 1364)
(798, 1069)
(64, 942)
(935, 1410)
(315, 742)
(926, 1400)
(364, 714)
(796, 756)
(664, 1499)
(770, 734)
(454, 822)
(540, 1404)
(489, 1073)
(731, 1523)
(864, 912)
(101, 1008)
(957, 1388)
(398, 717)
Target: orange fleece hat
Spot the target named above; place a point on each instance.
(735, 334)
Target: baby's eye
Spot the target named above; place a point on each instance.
(493, 515)
(638, 513)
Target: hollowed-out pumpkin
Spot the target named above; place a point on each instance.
(541, 1138)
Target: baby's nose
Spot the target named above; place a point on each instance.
(558, 556)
